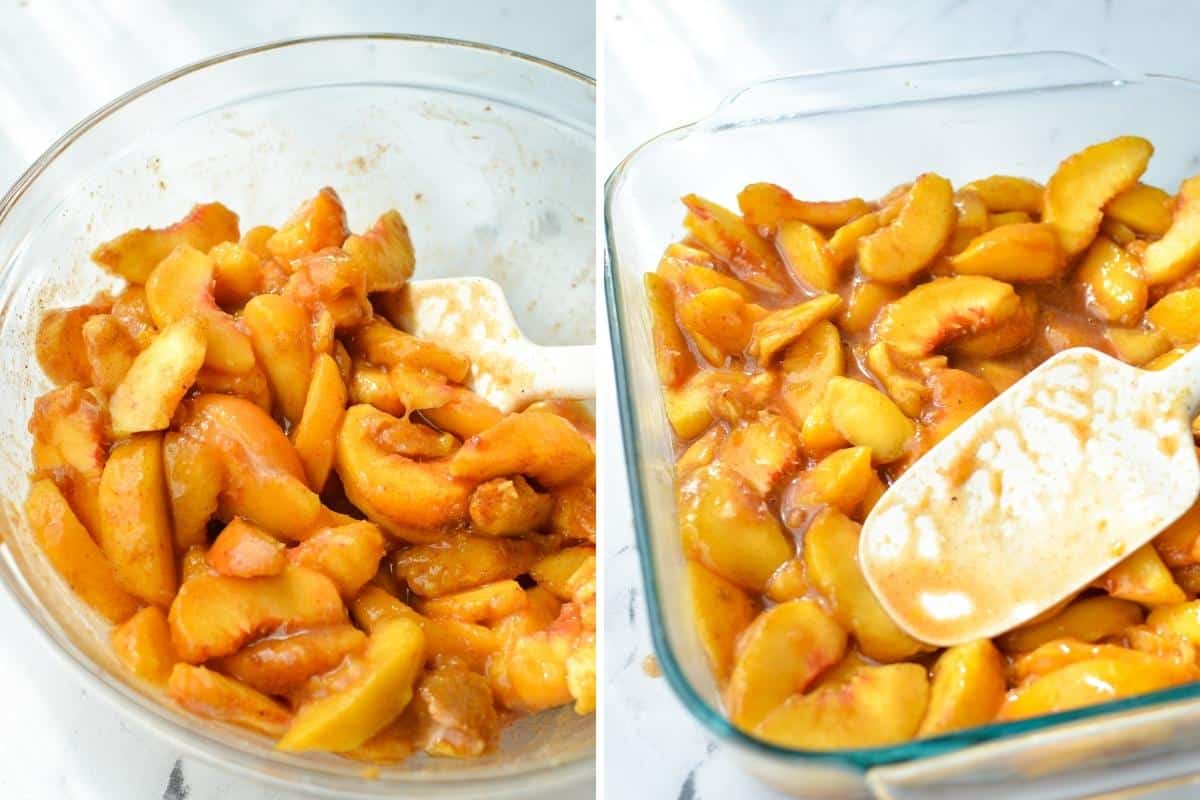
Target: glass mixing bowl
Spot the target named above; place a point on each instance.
(490, 156)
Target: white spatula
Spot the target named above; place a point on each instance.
(471, 316)
(1059, 478)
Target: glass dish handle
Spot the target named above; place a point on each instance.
(1123, 756)
(816, 93)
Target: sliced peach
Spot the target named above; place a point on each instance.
(730, 529)
(943, 309)
(509, 507)
(1146, 209)
(252, 385)
(319, 222)
(317, 429)
(59, 345)
(700, 453)
(444, 638)
(386, 346)
(818, 434)
(1178, 316)
(348, 554)
(451, 408)
(972, 222)
(133, 312)
(1058, 653)
(214, 615)
(243, 550)
(1170, 258)
(194, 563)
(898, 251)
(110, 351)
(955, 396)
(279, 333)
(371, 385)
(134, 255)
(771, 205)
(237, 274)
(1143, 578)
(807, 366)
(1097, 680)
(1180, 619)
(1121, 233)
(865, 301)
(781, 328)
(462, 562)
(843, 244)
(142, 644)
(1087, 620)
(1001, 193)
(398, 493)
(674, 359)
(762, 451)
(807, 256)
(1163, 644)
(380, 689)
(1008, 218)
(1179, 544)
(831, 560)
(726, 394)
(277, 666)
(543, 446)
(135, 520)
(68, 427)
(967, 688)
(150, 391)
(1025, 252)
(74, 555)
(867, 417)
(384, 253)
(788, 582)
(211, 695)
(719, 322)
(734, 241)
(330, 281)
(1085, 182)
(901, 376)
(840, 480)
(453, 712)
(694, 278)
(722, 610)
(488, 603)
(1007, 337)
(1114, 288)
(876, 706)
(1137, 346)
(193, 474)
(779, 655)
(530, 673)
(556, 572)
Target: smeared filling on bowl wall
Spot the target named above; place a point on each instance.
(296, 515)
(811, 351)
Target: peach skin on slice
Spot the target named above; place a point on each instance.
(945, 308)
(135, 520)
(731, 239)
(1026, 251)
(134, 254)
(876, 706)
(1086, 181)
(380, 686)
(159, 377)
(214, 615)
(384, 253)
(182, 286)
(1176, 252)
(769, 204)
(543, 446)
(896, 252)
(779, 655)
(762, 451)
(277, 666)
(71, 550)
(318, 223)
(211, 695)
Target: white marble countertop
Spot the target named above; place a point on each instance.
(58, 62)
(667, 63)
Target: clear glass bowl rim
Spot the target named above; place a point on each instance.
(715, 722)
(148, 713)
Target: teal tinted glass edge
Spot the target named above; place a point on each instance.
(713, 720)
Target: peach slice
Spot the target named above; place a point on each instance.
(134, 255)
(842, 246)
(863, 304)
(1113, 285)
(509, 507)
(213, 615)
(461, 562)
(279, 333)
(135, 522)
(1008, 218)
(1145, 209)
(1179, 544)
(252, 385)
(453, 712)
(380, 686)
(1003, 193)
(211, 695)
(488, 603)
(444, 638)
(243, 550)
(133, 312)
(1023, 252)
(730, 529)
(1136, 346)
(451, 408)
(1096, 680)
(831, 560)
(1010, 335)
(386, 346)
(762, 451)
(316, 431)
(237, 274)
(68, 427)
(193, 474)
(778, 655)
(876, 706)
(142, 644)
(1058, 653)
(901, 376)
(770, 205)
(943, 309)
(348, 554)
(954, 396)
(896, 252)
(1087, 620)
(110, 351)
(781, 328)
(672, 356)
(1085, 182)
(967, 688)
(330, 281)
(719, 322)
(722, 610)
(543, 446)
(866, 416)
(1178, 316)
(1142, 578)
(734, 241)
(181, 286)
(530, 673)
(1179, 619)
(319, 222)
(74, 555)
(401, 495)
(59, 345)
(972, 222)
(1170, 258)
(788, 582)
(159, 377)
(277, 666)
(384, 253)
(370, 385)
(557, 572)
(840, 480)
(807, 366)
(807, 256)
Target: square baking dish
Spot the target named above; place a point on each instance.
(862, 132)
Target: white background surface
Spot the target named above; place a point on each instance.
(666, 63)
(58, 62)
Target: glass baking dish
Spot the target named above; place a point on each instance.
(490, 156)
(862, 132)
